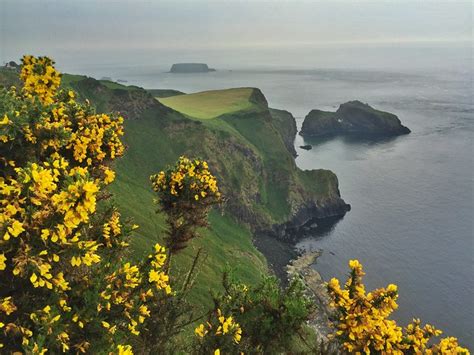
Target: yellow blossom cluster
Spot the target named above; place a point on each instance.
(218, 331)
(447, 345)
(363, 324)
(64, 285)
(155, 275)
(124, 350)
(111, 230)
(40, 78)
(186, 192)
(130, 281)
(96, 139)
(190, 178)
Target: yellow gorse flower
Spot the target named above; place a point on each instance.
(363, 326)
(3, 265)
(189, 177)
(41, 80)
(220, 326)
(124, 350)
(56, 243)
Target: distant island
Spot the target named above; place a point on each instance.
(352, 118)
(190, 68)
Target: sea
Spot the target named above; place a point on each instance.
(411, 221)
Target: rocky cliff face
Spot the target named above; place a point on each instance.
(286, 125)
(352, 118)
(307, 217)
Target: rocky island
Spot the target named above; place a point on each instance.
(190, 68)
(352, 118)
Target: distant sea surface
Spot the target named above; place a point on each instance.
(411, 221)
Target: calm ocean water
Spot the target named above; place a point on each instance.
(412, 197)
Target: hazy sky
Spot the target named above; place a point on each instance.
(69, 29)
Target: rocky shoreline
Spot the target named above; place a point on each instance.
(321, 318)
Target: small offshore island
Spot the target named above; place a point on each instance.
(190, 68)
(352, 118)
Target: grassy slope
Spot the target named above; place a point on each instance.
(247, 153)
(150, 149)
(211, 104)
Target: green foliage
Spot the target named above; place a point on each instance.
(271, 317)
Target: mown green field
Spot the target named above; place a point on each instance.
(211, 104)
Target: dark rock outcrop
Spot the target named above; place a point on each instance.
(306, 219)
(190, 68)
(352, 118)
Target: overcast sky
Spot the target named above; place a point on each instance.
(65, 27)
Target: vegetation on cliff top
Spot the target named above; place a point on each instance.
(212, 104)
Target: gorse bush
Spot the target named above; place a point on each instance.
(185, 193)
(363, 324)
(271, 317)
(65, 283)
